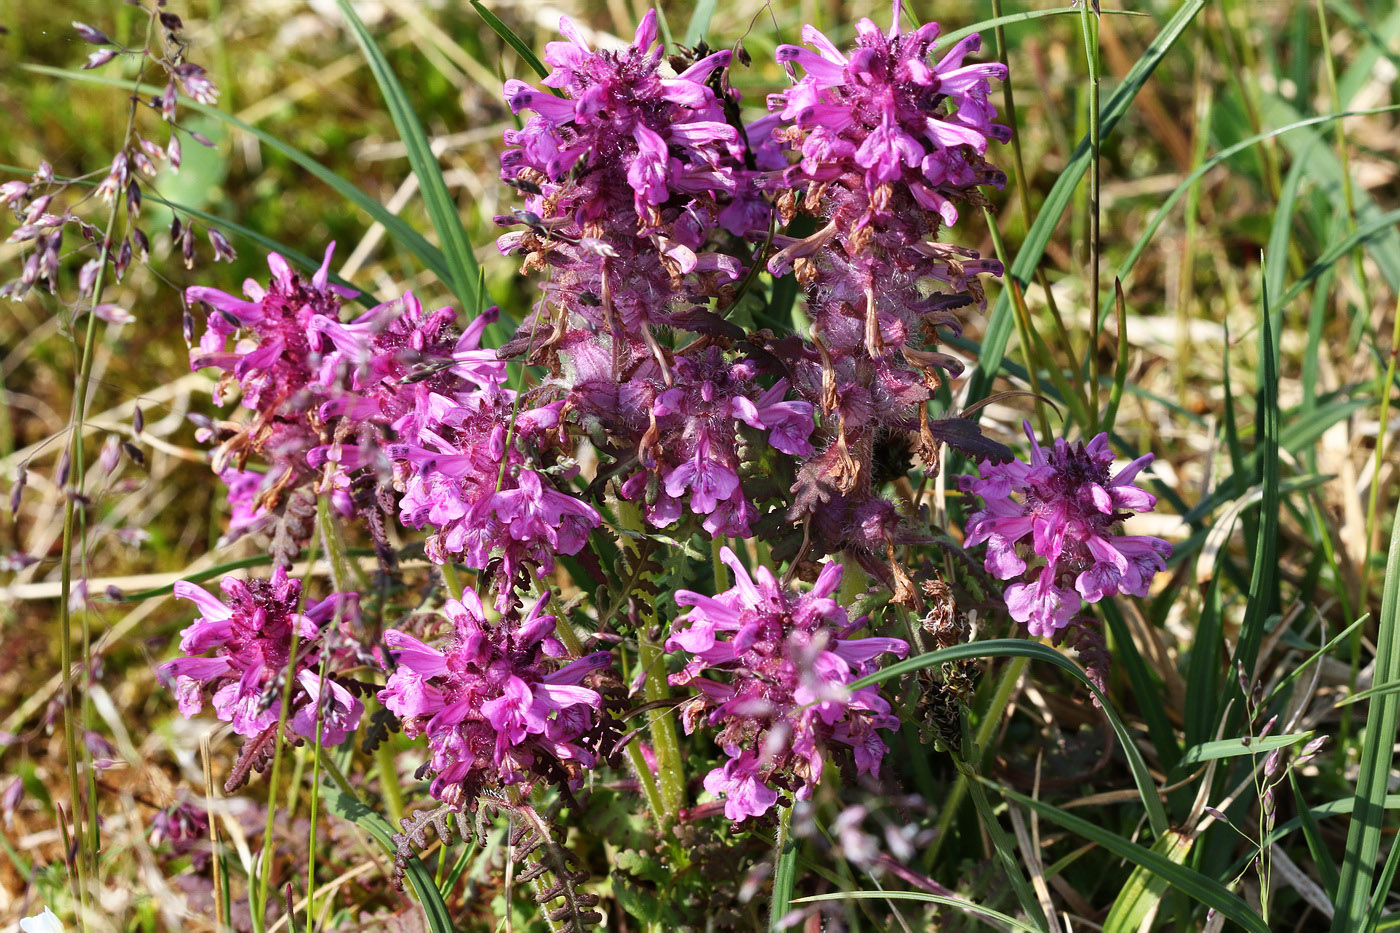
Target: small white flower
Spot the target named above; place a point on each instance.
(47, 922)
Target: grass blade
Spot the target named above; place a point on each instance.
(784, 871)
(349, 807)
(1383, 888)
(957, 35)
(1363, 844)
(1204, 889)
(1233, 748)
(511, 39)
(1263, 583)
(1140, 898)
(1322, 858)
(1016, 648)
(1224, 154)
(999, 322)
(699, 21)
(955, 902)
(462, 272)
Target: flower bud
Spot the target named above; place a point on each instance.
(99, 58)
(223, 249)
(89, 34)
(111, 454)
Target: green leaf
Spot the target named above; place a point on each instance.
(965, 906)
(512, 40)
(1322, 858)
(1228, 152)
(462, 272)
(1383, 888)
(1376, 226)
(784, 871)
(1263, 582)
(397, 228)
(1206, 890)
(1038, 236)
(1137, 903)
(957, 35)
(1005, 850)
(1233, 748)
(1378, 748)
(353, 809)
(699, 21)
(1142, 684)
(1015, 648)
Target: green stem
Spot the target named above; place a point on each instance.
(344, 572)
(315, 801)
(571, 641)
(89, 842)
(665, 741)
(1385, 390)
(389, 781)
(717, 562)
(1348, 197)
(1091, 56)
(1023, 328)
(784, 870)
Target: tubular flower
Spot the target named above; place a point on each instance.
(496, 703)
(250, 636)
(395, 353)
(382, 369)
(784, 700)
(887, 114)
(279, 360)
(693, 448)
(1054, 523)
(466, 476)
(629, 131)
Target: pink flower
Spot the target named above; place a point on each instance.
(1067, 513)
(251, 636)
(784, 702)
(464, 476)
(495, 704)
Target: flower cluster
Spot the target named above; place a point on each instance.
(251, 634)
(786, 661)
(497, 702)
(888, 143)
(624, 176)
(691, 444)
(280, 362)
(1068, 515)
(629, 178)
(466, 476)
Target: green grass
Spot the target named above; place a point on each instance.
(1249, 208)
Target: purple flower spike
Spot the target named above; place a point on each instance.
(888, 142)
(250, 634)
(497, 709)
(784, 700)
(1067, 513)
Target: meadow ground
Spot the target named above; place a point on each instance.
(1247, 276)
